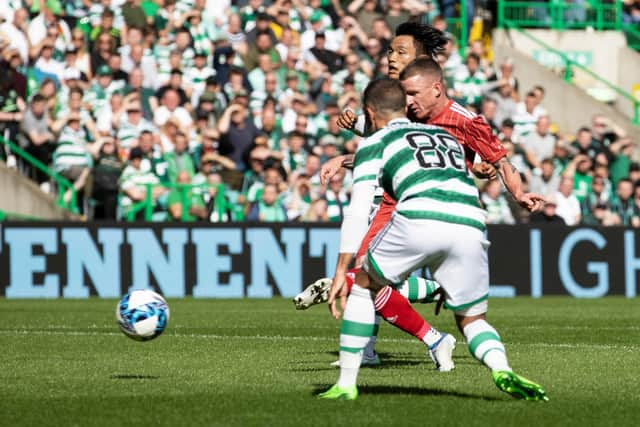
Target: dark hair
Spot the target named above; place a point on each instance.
(76, 90)
(295, 134)
(422, 66)
(584, 129)
(385, 96)
(473, 56)
(428, 40)
(38, 98)
(625, 180)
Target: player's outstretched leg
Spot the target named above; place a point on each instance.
(358, 323)
(415, 289)
(315, 293)
(486, 346)
(419, 289)
(395, 309)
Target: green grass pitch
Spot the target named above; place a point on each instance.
(260, 362)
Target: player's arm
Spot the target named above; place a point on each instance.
(356, 218)
(480, 138)
(349, 121)
(512, 181)
(333, 165)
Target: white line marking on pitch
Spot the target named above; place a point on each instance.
(26, 332)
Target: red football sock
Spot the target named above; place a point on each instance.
(395, 309)
(351, 278)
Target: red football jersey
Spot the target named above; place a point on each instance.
(471, 131)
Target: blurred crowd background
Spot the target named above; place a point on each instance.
(219, 110)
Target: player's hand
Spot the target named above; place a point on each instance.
(484, 170)
(330, 168)
(338, 291)
(532, 202)
(347, 119)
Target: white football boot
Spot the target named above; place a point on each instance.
(315, 293)
(442, 353)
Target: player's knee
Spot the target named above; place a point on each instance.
(471, 314)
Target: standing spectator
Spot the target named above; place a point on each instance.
(37, 137)
(526, 115)
(179, 160)
(145, 94)
(597, 198)
(16, 33)
(540, 143)
(182, 197)
(366, 12)
(623, 205)
(568, 206)
(102, 89)
(106, 171)
(337, 198)
(506, 107)
(237, 133)
(170, 108)
(548, 214)
(134, 183)
(547, 181)
(71, 159)
(496, 204)
(585, 144)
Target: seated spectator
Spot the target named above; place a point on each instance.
(105, 174)
(268, 208)
(135, 181)
(548, 214)
(197, 76)
(568, 206)
(488, 111)
(71, 159)
(185, 204)
(352, 71)
(295, 155)
(496, 204)
(580, 170)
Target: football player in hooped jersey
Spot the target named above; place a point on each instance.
(437, 223)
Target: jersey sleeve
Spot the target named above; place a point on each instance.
(480, 138)
(367, 166)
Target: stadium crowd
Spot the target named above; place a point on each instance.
(227, 109)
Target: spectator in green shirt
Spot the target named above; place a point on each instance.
(179, 160)
(182, 198)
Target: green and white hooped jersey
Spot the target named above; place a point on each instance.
(423, 168)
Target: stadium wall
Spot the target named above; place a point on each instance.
(568, 105)
(22, 196)
(76, 260)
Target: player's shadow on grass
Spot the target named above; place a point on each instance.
(133, 377)
(417, 391)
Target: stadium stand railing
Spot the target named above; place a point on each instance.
(63, 185)
(570, 64)
(563, 15)
(145, 209)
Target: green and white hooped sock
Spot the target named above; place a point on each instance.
(418, 289)
(486, 346)
(370, 349)
(358, 324)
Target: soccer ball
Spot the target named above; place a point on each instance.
(142, 315)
